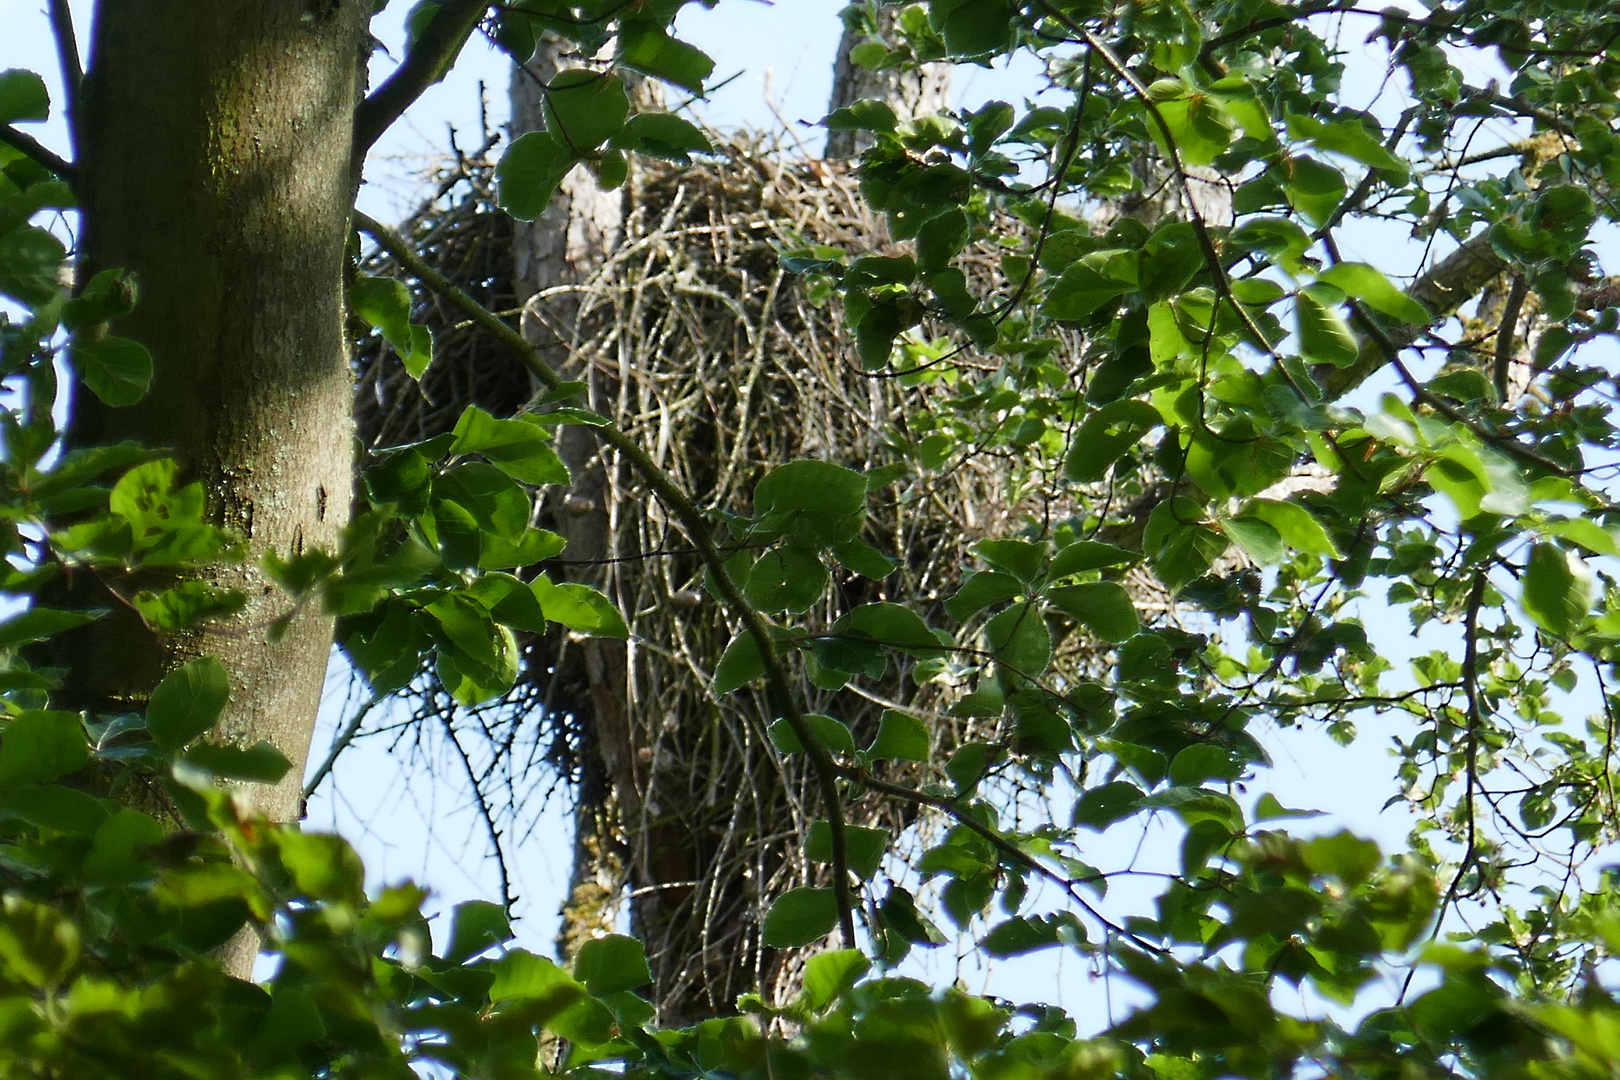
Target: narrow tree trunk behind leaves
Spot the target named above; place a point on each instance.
(215, 142)
(909, 93)
(636, 829)
(554, 254)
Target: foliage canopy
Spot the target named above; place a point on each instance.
(1197, 391)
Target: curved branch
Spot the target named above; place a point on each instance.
(39, 153)
(423, 66)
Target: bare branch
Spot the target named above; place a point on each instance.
(39, 153)
(67, 51)
(423, 66)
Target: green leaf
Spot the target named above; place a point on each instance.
(981, 589)
(30, 260)
(864, 559)
(611, 964)
(187, 604)
(585, 108)
(973, 28)
(1557, 591)
(1267, 808)
(1083, 555)
(23, 97)
(520, 448)
(1106, 434)
(969, 764)
(533, 547)
(37, 943)
(786, 578)
(39, 623)
(260, 763)
(867, 114)
(800, 917)
(480, 498)
(864, 847)
(1086, 286)
(832, 733)
(875, 334)
(900, 737)
(187, 702)
(1101, 806)
(38, 747)
(1278, 238)
(663, 135)
(1198, 122)
(817, 501)
(1181, 544)
(520, 975)
(1103, 607)
(323, 866)
(829, 974)
(892, 625)
(645, 46)
(476, 659)
(509, 600)
(528, 174)
(1351, 138)
(1375, 290)
(739, 665)
(1296, 525)
(1314, 188)
(475, 926)
(1324, 336)
(1256, 537)
(52, 806)
(1021, 558)
(1203, 839)
(1018, 936)
(829, 732)
(581, 608)
(1344, 856)
(386, 304)
(1019, 638)
(1195, 764)
(116, 369)
(117, 853)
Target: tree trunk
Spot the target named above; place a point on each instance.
(637, 826)
(216, 164)
(909, 93)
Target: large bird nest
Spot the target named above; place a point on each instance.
(718, 362)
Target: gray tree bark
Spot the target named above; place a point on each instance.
(910, 93)
(216, 164)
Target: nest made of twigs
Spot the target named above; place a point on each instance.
(706, 352)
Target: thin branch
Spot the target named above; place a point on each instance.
(423, 66)
(39, 153)
(67, 51)
(339, 744)
(1502, 365)
(508, 901)
(693, 522)
(957, 814)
